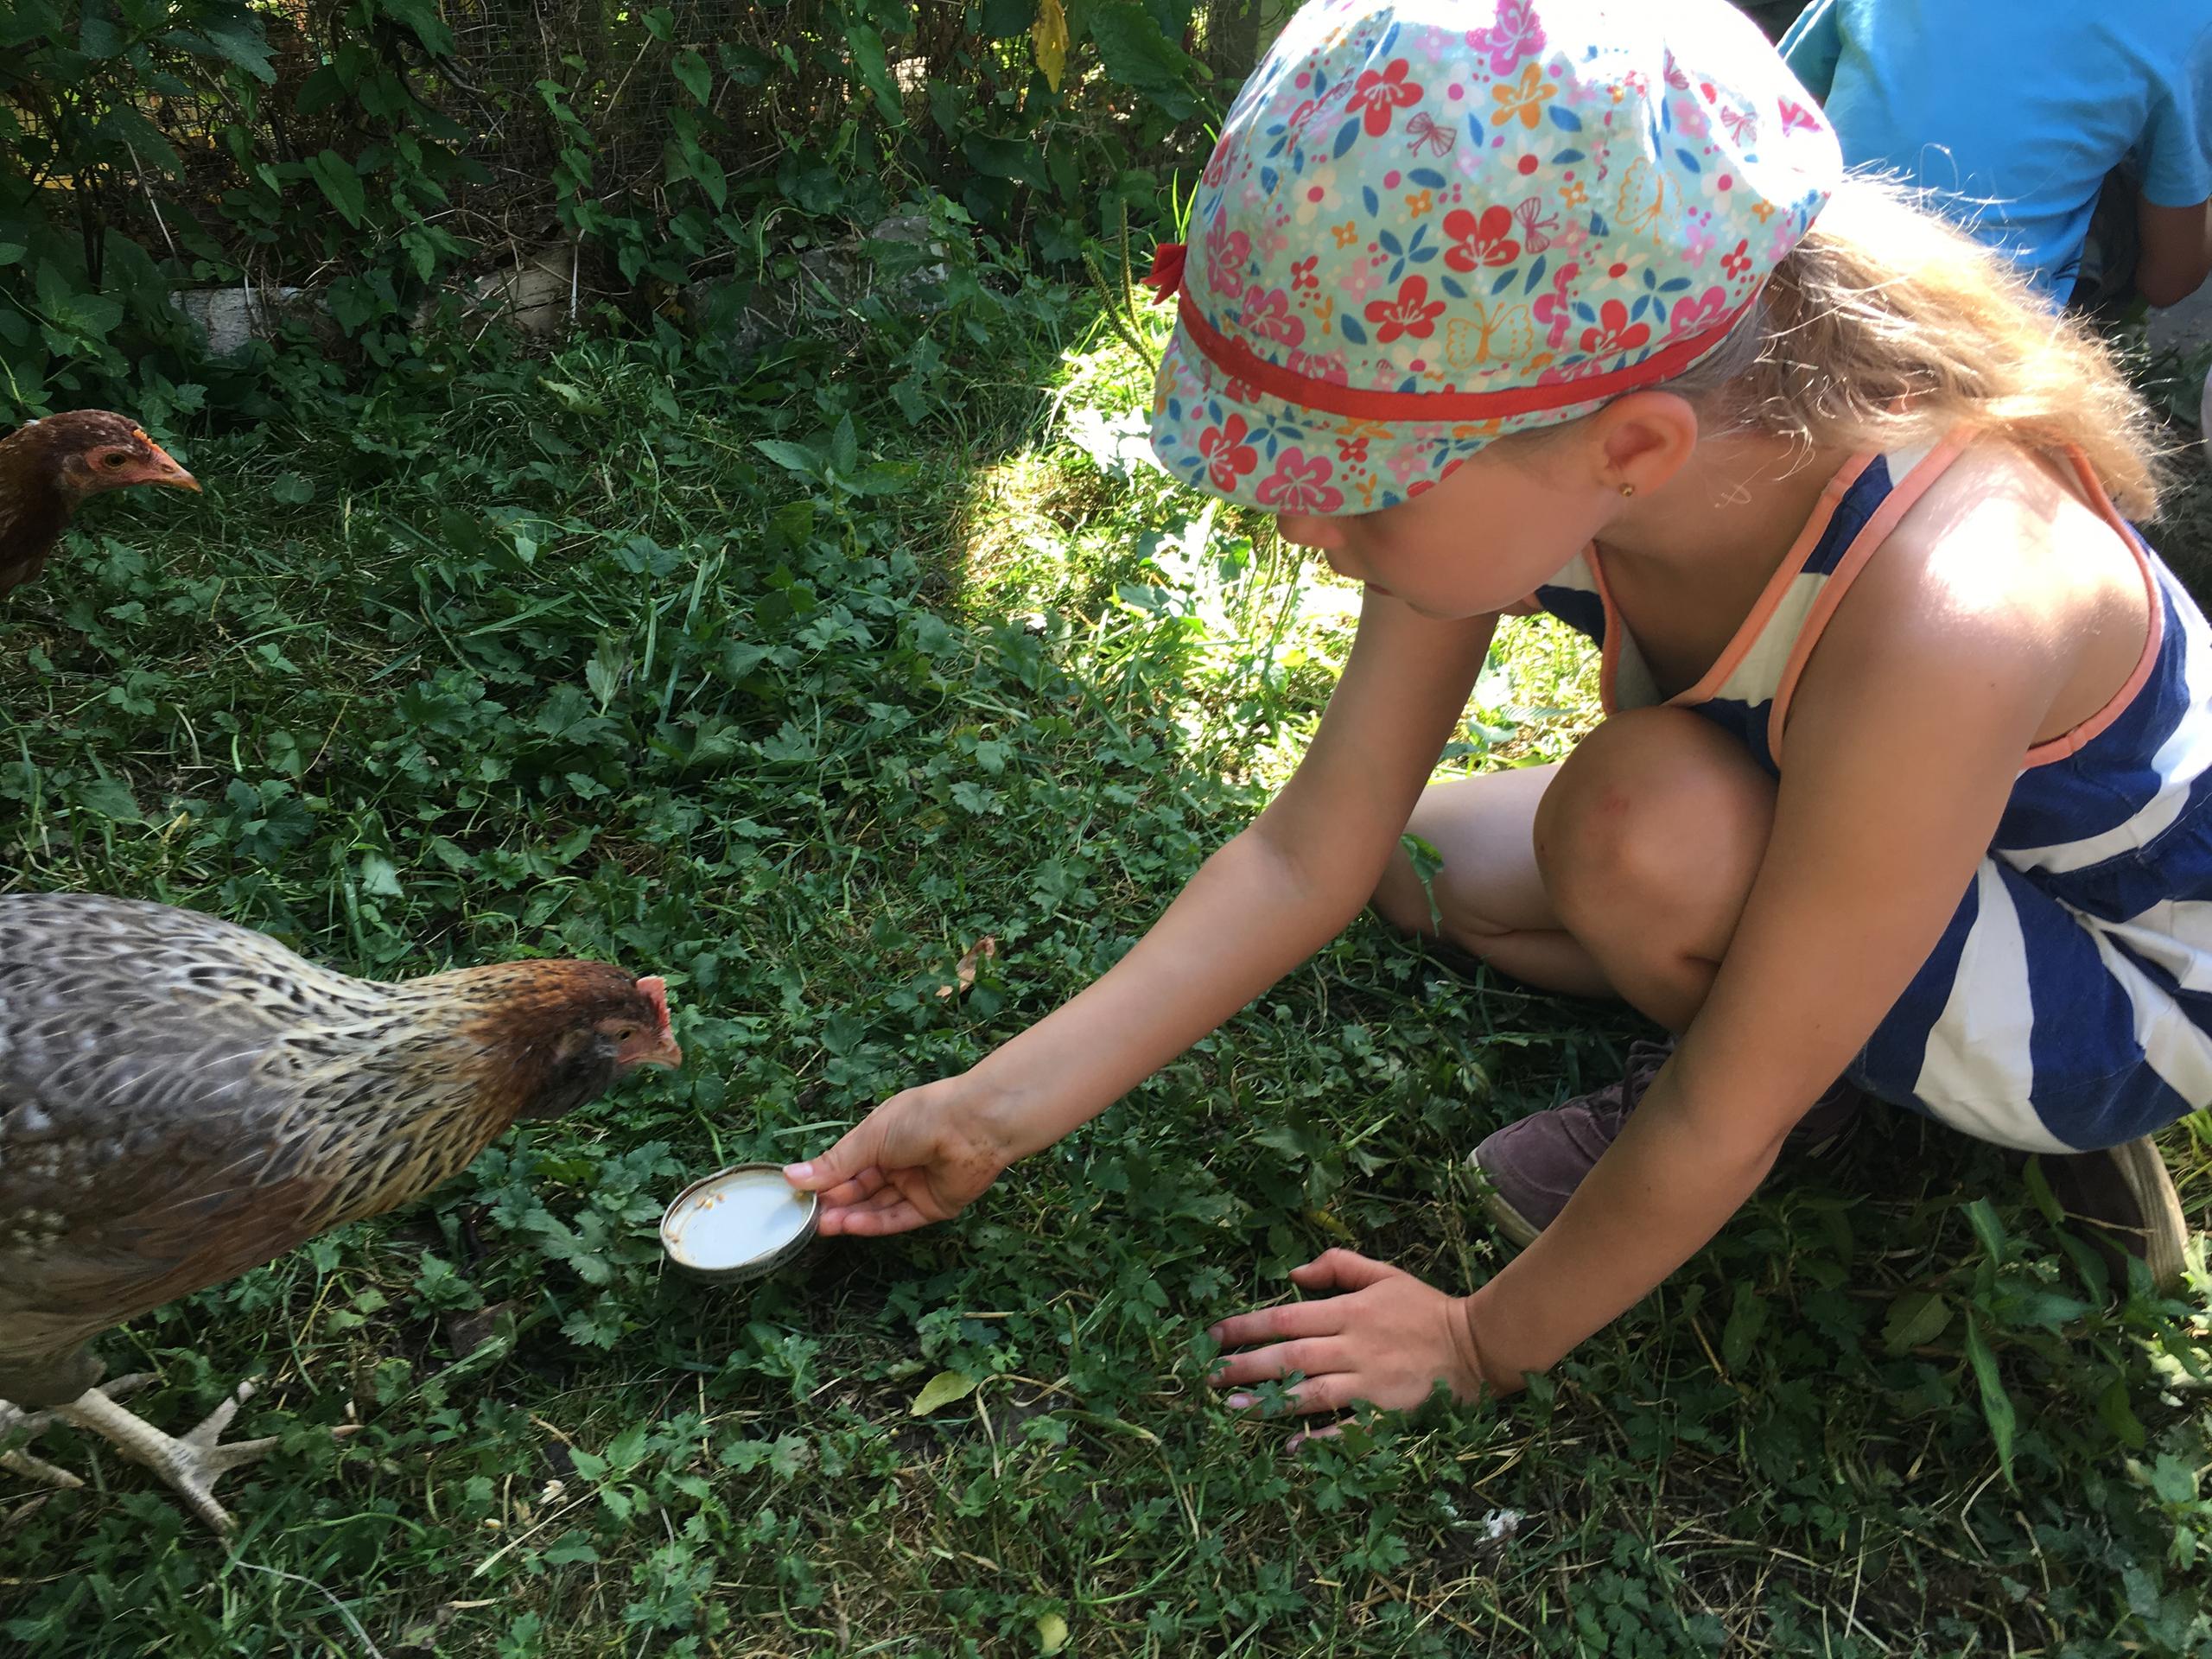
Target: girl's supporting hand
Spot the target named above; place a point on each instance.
(1386, 1337)
(922, 1155)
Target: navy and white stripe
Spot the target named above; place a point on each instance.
(2069, 1003)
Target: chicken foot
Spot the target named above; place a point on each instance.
(28, 1423)
(190, 1466)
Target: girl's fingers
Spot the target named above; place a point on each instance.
(859, 1189)
(1312, 1357)
(1285, 1319)
(1331, 1393)
(889, 1212)
(1342, 1270)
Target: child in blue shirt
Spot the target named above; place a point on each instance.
(2014, 114)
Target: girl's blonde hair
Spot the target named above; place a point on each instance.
(1887, 326)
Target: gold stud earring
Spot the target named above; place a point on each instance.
(1628, 489)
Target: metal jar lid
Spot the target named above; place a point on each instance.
(770, 1213)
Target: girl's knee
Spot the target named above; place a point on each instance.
(1657, 812)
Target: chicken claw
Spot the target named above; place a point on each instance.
(28, 1423)
(190, 1466)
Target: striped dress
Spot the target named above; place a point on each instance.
(2069, 1003)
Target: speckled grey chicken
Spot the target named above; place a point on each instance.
(182, 1099)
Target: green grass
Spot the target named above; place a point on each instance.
(529, 657)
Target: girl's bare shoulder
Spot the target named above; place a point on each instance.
(2010, 553)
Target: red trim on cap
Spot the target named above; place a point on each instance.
(1165, 281)
(1235, 357)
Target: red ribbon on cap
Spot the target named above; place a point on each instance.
(1165, 281)
(1233, 357)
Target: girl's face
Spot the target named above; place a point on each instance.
(1513, 515)
(1486, 537)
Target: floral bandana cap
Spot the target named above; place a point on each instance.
(1431, 223)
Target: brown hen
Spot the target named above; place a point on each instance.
(51, 466)
(182, 1099)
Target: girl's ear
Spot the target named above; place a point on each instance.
(1642, 440)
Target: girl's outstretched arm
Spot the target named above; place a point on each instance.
(1908, 731)
(1259, 906)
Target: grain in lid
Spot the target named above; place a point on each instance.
(738, 1224)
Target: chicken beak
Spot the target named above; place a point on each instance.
(665, 1052)
(167, 471)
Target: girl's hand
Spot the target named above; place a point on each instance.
(922, 1156)
(1387, 1338)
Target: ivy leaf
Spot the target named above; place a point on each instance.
(379, 877)
(1916, 1319)
(340, 183)
(423, 17)
(1138, 55)
(691, 69)
(710, 176)
(1746, 1319)
(110, 798)
(868, 59)
(239, 39)
(1048, 39)
(792, 457)
(1996, 1404)
(940, 1391)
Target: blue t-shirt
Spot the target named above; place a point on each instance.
(2014, 110)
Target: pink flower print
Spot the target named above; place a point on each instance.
(1410, 315)
(1301, 273)
(1228, 456)
(1226, 253)
(1353, 451)
(1361, 280)
(1516, 35)
(1614, 334)
(1557, 308)
(1316, 194)
(1406, 462)
(1689, 315)
(1524, 99)
(1472, 243)
(1301, 484)
(1734, 265)
(1383, 93)
(1696, 245)
(1267, 314)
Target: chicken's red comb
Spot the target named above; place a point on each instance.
(656, 990)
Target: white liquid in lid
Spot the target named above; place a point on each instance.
(751, 1214)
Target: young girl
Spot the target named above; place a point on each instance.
(1906, 775)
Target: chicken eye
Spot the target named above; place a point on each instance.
(625, 1033)
(113, 459)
